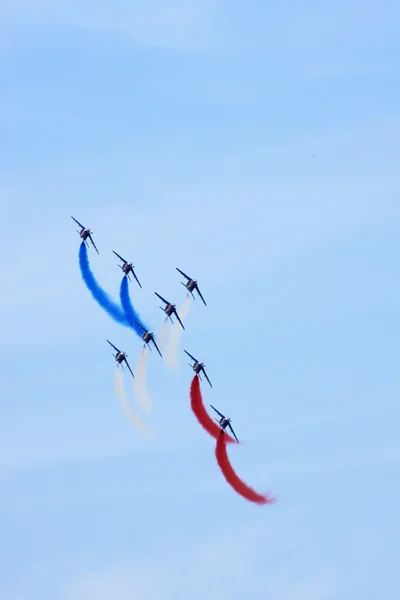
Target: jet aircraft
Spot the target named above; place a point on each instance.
(147, 337)
(169, 309)
(198, 367)
(191, 285)
(224, 422)
(127, 267)
(85, 234)
(120, 357)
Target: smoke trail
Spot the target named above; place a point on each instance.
(202, 416)
(130, 313)
(172, 351)
(163, 334)
(97, 292)
(135, 420)
(140, 383)
(234, 481)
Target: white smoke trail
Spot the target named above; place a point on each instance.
(135, 420)
(172, 350)
(163, 334)
(140, 383)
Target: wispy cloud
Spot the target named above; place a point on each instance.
(174, 24)
(223, 566)
(343, 70)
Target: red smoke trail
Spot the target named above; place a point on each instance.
(199, 410)
(238, 485)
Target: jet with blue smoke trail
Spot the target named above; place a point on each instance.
(101, 297)
(127, 267)
(131, 315)
(85, 233)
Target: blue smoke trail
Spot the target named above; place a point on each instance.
(130, 313)
(101, 297)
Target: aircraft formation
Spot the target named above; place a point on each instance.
(128, 316)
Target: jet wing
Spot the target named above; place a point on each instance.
(233, 433)
(157, 348)
(80, 224)
(177, 316)
(115, 348)
(205, 375)
(192, 357)
(161, 298)
(134, 274)
(139, 325)
(130, 370)
(94, 245)
(217, 411)
(182, 273)
(120, 257)
(199, 293)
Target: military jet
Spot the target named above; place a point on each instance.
(85, 234)
(120, 357)
(147, 337)
(127, 267)
(169, 309)
(224, 422)
(191, 285)
(198, 367)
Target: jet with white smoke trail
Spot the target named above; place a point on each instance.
(191, 285)
(120, 357)
(163, 334)
(140, 383)
(172, 350)
(147, 337)
(134, 419)
(170, 309)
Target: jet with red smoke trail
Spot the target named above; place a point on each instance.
(199, 410)
(169, 309)
(147, 337)
(85, 233)
(191, 285)
(120, 357)
(127, 267)
(233, 479)
(224, 422)
(198, 367)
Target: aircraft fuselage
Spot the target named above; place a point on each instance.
(127, 268)
(191, 285)
(169, 309)
(84, 234)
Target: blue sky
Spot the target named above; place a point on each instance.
(256, 148)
